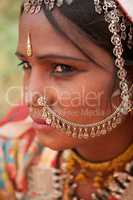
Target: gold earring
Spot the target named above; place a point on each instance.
(29, 46)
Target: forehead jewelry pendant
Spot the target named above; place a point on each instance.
(29, 46)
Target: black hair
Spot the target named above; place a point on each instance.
(83, 14)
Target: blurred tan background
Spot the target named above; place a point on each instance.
(10, 74)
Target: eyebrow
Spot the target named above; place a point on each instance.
(52, 56)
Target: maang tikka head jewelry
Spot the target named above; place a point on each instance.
(29, 45)
(120, 28)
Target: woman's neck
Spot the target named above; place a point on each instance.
(107, 147)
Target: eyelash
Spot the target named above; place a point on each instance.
(68, 70)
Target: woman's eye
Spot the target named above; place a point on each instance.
(57, 69)
(25, 65)
(62, 69)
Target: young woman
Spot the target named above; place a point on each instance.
(77, 143)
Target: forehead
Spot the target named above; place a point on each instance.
(44, 37)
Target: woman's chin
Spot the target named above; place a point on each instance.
(56, 141)
(52, 144)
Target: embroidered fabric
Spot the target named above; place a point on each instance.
(46, 183)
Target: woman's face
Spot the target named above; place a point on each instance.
(77, 87)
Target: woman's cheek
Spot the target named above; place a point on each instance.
(89, 93)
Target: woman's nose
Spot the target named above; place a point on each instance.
(34, 87)
(37, 87)
(31, 97)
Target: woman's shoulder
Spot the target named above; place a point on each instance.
(16, 122)
(15, 114)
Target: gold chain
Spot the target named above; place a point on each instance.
(114, 164)
(101, 169)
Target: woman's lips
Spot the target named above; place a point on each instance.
(41, 125)
(39, 121)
